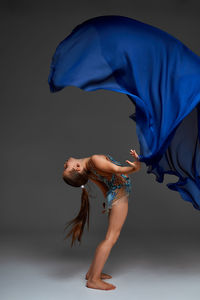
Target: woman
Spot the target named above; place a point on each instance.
(113, 181)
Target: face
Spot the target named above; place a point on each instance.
(72, 164)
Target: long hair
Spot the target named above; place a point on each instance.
(77, 179)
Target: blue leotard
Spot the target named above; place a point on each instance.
(117, 187)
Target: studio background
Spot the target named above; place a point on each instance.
(40, 130)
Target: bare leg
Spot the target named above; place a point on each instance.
(103, 275)
(117, 218)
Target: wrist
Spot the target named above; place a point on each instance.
(127, 170)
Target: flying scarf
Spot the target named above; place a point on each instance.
(159, 74)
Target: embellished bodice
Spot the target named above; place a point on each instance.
(115, 186)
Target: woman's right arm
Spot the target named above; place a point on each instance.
(106, 166)
(127, 170)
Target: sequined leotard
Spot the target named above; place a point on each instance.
(117, 185)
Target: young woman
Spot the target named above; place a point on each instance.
(111, 177)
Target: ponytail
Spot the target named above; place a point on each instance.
(80, 220)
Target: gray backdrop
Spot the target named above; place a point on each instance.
(39, 130)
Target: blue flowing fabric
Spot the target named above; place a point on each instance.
(159, 74)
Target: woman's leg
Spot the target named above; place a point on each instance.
(116, 220)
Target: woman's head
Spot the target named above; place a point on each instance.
(76, 174)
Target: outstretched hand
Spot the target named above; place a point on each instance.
(137, 163)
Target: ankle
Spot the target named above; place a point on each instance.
(93, 278)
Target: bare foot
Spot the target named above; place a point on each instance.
(100, 285)
(103, 276)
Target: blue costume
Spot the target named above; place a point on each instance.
(117, 186)
(159, 74)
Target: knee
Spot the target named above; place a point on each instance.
(112, 238)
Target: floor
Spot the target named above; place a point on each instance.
(143, 266)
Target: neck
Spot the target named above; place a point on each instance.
(84, 161)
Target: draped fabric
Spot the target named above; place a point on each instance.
(161, 77)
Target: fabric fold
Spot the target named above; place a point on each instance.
(161, 77)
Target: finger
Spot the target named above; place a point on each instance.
(128, 161)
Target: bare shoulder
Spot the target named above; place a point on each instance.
(98, 157)
(102, 163)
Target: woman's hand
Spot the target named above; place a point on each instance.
(137, 163)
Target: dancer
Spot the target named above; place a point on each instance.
(111, 177)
